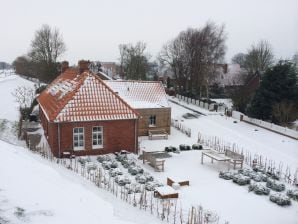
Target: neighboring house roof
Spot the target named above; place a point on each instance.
(75, 96)
(230, 77)
(103, 76)
(140, 94)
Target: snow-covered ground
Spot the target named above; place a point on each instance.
(49, 193)
(33, 190)
(230, 201)
(9, 107)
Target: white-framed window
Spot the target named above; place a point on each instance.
(152, 121)
(78, 138)
(97, 137)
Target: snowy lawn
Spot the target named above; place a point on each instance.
(232, 202)
(33, 190)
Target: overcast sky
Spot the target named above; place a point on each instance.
(93, 29)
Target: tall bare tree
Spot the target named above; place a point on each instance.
(194, 56)
(134, 60)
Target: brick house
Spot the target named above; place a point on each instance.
(149, 99)
(81, 114)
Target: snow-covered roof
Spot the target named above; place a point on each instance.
(140, 94)
(75, 96)
(232, 77)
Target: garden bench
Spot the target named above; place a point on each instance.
(235, 158)
(157, 164)
(158, 133)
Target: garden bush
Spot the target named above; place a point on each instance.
(293, 194)
(226, 175)
(259, 189)
(184, 147)
(275, 185)
(197, 147)
(280, 199)
(240, 179)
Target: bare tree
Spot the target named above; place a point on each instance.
(24, 96)
(47, 45)
(194, 56)
(259, 57)
(134, 60)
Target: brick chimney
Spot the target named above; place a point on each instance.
(83, 65)
(64, 66)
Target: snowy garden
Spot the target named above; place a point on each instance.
(265, 191)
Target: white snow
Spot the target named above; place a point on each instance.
(9, 106)
(232, 202)
(50, 193)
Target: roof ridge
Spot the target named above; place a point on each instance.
(140, 81)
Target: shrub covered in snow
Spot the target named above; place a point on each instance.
(226, 175)
(258, 188)
(141, 179)
(133, 188)
(171, 149)
(275, 185)
(184, 147)
(256, 176)
(241, 179)
(293, 194)
(127, 162)
(115, 172)
(150, 186)
(90, 166)
(280, 199)
(122, 180)
(134, 170)
(103, 158)
(197, 147)
(83, 159)
(106, 165)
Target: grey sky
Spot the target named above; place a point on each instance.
(93, 29)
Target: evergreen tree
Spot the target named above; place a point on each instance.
(277, 97)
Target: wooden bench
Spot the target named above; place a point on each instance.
(214, 155)
(157, 164)
(235, 158)
(170, 182)
(158, 133)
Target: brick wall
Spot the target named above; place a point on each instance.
(117, 135)
(163, 120)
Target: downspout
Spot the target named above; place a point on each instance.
(59, 140)
(136, 136)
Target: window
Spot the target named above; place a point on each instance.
(97, 137)
(78, 138)
(152, 121)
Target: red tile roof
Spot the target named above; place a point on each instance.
(140, 94)
(82, 97)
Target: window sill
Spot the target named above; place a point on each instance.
(78, 149)
(152, 126)
(97, 147)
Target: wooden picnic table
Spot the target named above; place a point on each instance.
(214, 155)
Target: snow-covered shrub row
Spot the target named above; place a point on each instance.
(280, 199)
(269, 172)
(197, 147)
(259, 189)
(134, 170)
(256, 176)
(133, 188)
(90, 166)
(293, 194)
(275, 185)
